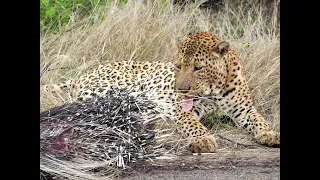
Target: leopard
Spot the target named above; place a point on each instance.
(205, 75)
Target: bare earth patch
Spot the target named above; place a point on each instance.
(261, 163)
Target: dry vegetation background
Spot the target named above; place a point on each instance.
(144, 30)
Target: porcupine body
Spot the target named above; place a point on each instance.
(92, 139)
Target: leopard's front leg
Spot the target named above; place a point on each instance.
(261, 130)
(238, 105)
(200, 140)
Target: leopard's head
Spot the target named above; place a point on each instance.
(199, 69)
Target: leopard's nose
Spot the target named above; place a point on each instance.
(183, 83)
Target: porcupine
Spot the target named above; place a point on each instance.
(91, 139)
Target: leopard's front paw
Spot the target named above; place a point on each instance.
(203, 144)
(268, 138)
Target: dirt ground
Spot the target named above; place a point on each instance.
(243, 160)
(249, 164)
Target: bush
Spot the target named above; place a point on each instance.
(57, 14)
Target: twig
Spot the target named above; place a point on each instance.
(45, 68)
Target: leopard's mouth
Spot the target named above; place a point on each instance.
(189, 100)
(187, 103)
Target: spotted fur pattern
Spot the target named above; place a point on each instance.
(206, 70)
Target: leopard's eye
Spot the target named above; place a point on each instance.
(178, 66)
(197, 68)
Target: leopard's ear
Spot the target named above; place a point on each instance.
(221, 48)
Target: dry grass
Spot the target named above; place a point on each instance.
(147, 30)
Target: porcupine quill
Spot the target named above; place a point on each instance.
(94, 138)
